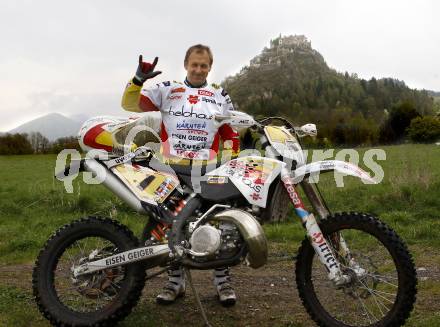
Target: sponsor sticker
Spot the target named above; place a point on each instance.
(326, 253)
(256, 196)
(192, 147)
(205, 92)
(192, 128)
(174, 97)
(189, 154)
(188, 114)
(198, 138)
(178, 90)
(208, 100)
(216, 180)
(193, 99)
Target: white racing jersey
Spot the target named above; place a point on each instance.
(188, 129)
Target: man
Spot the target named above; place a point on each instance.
(188, 133)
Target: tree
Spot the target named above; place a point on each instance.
(399, 120)
(424, 129)
(39, 143)
(62, 143)
(15, 144)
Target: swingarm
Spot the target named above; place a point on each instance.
(120, 259)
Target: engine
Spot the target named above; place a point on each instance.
(225, 234)
(217, 240)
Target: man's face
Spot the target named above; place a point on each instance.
(197, 67)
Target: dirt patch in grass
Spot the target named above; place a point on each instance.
(266, 297)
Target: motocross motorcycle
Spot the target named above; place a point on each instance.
(351, 269)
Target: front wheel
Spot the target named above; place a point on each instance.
(382, 288)
(96, 299)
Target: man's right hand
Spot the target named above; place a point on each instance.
(145, 71)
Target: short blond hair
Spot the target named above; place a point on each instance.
(199, 48)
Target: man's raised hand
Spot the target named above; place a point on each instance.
(145, 71)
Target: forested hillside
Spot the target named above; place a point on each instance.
(291, 79)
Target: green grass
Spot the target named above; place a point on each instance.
(33, 204)
(408, 198)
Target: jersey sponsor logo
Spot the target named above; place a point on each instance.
(197, 138)
(193, 131)
(192, 128)
(207, 100)
(166, 83)
(205, 92)
(188, 154)
(185, 146)
(178, 90)
(192, 114)
(174, 97)
(193, 99)
(178, 136)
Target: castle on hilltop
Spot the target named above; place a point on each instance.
(290, 41)
(280, 47)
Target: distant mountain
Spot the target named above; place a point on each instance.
(81, 117)
(434, 93)
(52, 126)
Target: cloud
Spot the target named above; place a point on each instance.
(74, 55)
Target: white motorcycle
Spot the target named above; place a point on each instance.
(351, 269)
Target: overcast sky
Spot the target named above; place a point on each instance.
(75, 57)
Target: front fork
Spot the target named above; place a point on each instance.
(314, 233)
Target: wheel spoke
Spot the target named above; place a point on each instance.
(89, 293)
(373, 289)
(102, 297)
(372, 293)
(368, 314)
(383, 279)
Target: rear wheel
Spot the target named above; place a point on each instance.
(97, 299)
(382, 289)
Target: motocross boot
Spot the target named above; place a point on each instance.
(225, 292)
(174, 288)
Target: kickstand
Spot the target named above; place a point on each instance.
(196, 295)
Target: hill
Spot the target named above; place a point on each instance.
(291, 79)
(52, 126)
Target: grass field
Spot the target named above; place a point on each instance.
(33, 204)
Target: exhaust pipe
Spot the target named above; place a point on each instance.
(110, 181)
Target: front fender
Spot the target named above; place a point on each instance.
(343, 167)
